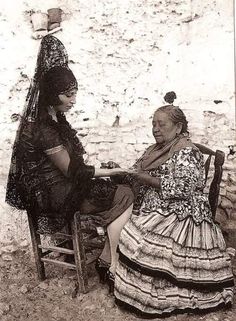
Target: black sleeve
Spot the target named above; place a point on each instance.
(51, 142)
(49, 139)
(78, 171)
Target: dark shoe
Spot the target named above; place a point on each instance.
(110, 281)
(102, 267)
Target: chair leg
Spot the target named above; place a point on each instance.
(79, 253)
(70, 242)
(35, 238)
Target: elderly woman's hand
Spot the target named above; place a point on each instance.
(146, 179)
(110, 165)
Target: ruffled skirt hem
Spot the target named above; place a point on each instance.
(144, 315)
(157, 296)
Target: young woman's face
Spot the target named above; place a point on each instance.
(67, 99)
(163, 128)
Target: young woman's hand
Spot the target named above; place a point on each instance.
(106, 172)
(118, 171)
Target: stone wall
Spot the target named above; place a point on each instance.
(126, 55)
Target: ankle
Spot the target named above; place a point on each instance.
(111, 281)
(103, 263)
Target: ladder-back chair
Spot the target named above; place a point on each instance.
(214, 188)
(73, 244)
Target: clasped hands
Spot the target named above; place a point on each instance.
(115, 169)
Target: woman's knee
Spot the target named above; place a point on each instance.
(127, 192)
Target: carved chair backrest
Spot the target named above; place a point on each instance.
(214, 189)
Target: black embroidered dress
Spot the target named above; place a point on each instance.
(49, 194)
(34, 182)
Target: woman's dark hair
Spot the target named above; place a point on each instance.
(170, 97)
(58, 80)
(176, 115)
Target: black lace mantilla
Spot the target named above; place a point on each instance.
(52, 53)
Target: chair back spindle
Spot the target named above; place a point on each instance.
(214, 189)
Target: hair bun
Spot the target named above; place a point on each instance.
(170, 97)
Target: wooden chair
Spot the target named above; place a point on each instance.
(73, 244)
(214, 189)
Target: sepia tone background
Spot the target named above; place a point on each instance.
(126, 55)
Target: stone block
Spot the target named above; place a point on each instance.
(222, 189)
(231, 189)
(24, 243)
(231, 196)
(229, 231)
(130, 148)
(104, 157)
(232, 178)
(91, 149)
(129, 138)
(221, 216)
(104, 147)
(140, 147)
(100, 139)
(9, 248)
(226, 203)
(233, 214)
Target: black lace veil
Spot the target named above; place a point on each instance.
(52, 53)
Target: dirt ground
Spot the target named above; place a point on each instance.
(23, 297)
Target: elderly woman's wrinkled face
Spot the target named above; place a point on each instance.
(163, 128)
(67, 99)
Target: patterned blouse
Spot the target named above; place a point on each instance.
(182, 188)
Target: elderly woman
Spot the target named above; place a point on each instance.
(172, 256)
(48, 176)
